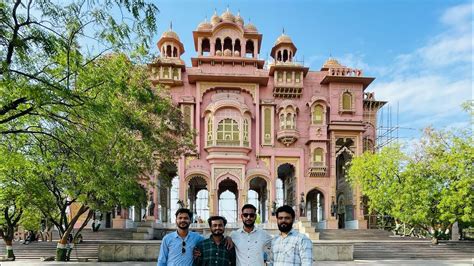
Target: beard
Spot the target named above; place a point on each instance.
(285, 228)
(183, 225)
(249, 224)
(217, 232)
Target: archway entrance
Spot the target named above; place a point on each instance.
(286, 173)
(341, 212)
(228, 194)
(345, 202)
(315, 206)
(258, 195)
(198, 198)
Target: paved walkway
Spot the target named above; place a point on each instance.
(325, 263)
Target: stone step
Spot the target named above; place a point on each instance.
(142, 236)
(348, 234)
(37, 250)
(148, 230)
(410, 250)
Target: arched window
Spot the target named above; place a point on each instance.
(187, 115)
(209, 131)
(280, 76)
(237, 46)
(289, 121)
(282, 121)
(175, 73)
(228, 132)
(218, 45)
(205, 47)
(249, 49)
(279, 56)
(285, 55)
(228, 44)
(246, 133)
(347, 101)
(288, 76)
(318, 112)
(318, 156)
(168, 51)
(175, 52)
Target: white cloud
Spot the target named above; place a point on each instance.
(457, 15)
(432, 81)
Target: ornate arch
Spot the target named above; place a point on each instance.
(226, 176)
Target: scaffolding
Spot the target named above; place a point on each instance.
(388, 127)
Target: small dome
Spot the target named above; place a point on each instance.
(228, 16)
(215, 19)
(283, 39)
(204, 25)
(331, 62)
(170, 34)
(250, 27)
(239, 20)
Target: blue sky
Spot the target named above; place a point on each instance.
(419, 51)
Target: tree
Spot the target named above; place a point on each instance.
(123, 125)
(44, 45)
(430, 189)
(13, 198)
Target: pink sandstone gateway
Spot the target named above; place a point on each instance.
(274, 129)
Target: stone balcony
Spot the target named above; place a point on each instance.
(317, 169)
(287, 136)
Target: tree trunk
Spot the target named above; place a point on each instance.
(9, 246)
(63, 248)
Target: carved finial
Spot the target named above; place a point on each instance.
(171, 25)
(283, 31)
(215, 11)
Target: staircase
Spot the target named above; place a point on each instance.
(411, 250)
(107, 234)
(37, 250)
(306, 228)
(356, 234)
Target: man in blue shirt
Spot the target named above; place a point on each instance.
(177, 247)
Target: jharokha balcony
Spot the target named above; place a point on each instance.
(317, 169)
(287, 136)
(236, 150)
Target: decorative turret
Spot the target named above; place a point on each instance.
(170, 45)
(288, 74)
(167, 68)
(284, 49)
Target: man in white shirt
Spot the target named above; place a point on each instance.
(250, 243)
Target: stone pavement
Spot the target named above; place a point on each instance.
(325, 263)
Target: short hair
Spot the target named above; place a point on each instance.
(214, 218)
(287, 209)
(184, 210)
(249, 206)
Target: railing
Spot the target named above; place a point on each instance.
(345, 71)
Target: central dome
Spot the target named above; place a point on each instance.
(228, 16)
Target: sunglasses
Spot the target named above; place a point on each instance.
(183, 249)
(251, 215)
